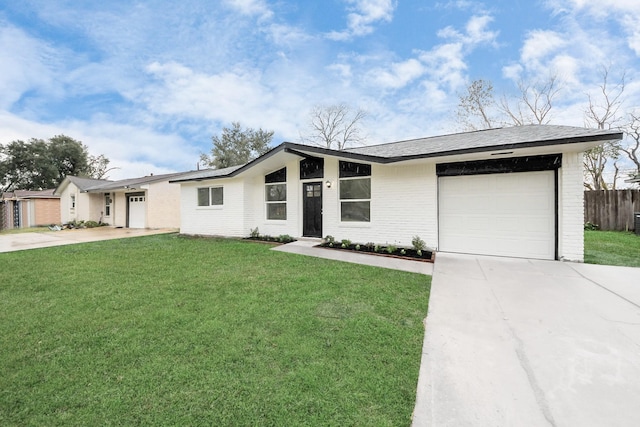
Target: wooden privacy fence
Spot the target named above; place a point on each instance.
(611, 209)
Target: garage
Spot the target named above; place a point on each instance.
(512, 213)
(137, 211)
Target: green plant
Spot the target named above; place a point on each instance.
(403, 251)
(418, 243)
(91, 224)
(391, 249)
(285, 238)
(346, 243)
(376, 248)
(370, 246)
(357, 247)
(419, 252)
(254, 233)
(330, 239)
(590, 226)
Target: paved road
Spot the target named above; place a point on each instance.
(513, 342)
(23, 241)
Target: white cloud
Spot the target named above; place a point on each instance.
(27, 64)
(362, 17)
(251, 7)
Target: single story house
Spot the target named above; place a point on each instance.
(24, 209)
(145, 202)
(515, 191)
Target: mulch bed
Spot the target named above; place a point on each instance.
(409, 254)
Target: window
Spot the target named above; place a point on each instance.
(73, 203)
(355, 192)
(107, 204)
(311, 167)
(210, 196)
(276, 194)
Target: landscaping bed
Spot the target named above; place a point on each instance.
(418, 252)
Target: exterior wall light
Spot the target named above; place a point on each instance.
(328, 184)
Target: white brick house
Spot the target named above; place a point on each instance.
(510, 192)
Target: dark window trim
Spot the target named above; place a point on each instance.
(506, 165)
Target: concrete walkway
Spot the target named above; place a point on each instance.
(33, 240)
(306, 247)
(516, 342)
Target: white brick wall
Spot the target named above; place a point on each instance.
(225, 220)
(571, 208)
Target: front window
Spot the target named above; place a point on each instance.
(107, 204)
(355, 192)
(73, 203)
(276, 194)
(210, 196)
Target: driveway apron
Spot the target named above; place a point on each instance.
(516, 342)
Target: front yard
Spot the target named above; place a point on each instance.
(167, 330)
(612, 248)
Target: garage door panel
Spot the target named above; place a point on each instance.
(499, 214)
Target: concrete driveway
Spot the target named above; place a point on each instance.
(515, 342)
(34, 240)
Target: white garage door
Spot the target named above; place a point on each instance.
(137, 211)
(511, 214)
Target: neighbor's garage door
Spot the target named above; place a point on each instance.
(509, 214)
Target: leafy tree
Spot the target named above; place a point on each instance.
(237, 146)
(98, 167)
(335, 126)
(39, 164)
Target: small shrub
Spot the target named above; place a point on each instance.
(91, 224)
(285, 238)
(357, 247)
(370, 246)
(419, 252)
(376, 248)
(346, 243)
(591, 226)
(403, 251)
(391, 249)
(418, 243)
(329, 239)
(254, 233)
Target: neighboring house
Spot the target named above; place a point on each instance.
(146, 202)
(24, 209)
(514, 191)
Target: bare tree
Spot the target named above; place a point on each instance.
(602, 113)
(533, 104)
(475, 107)
(632, 149)
(335, 126)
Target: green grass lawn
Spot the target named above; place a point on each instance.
(168, 330)
(612, 248)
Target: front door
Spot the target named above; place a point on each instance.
(137, 211)
(312, 209)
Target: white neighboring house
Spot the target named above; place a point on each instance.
(145, 202)
(514, 191)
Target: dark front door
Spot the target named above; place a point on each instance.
(312, 209)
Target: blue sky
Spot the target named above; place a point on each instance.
(147, 83)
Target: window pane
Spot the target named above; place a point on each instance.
(311, 167)
(276, 192)
(276, 211)
(351, 169)
(355, 188)
(216, 196)
(203, 197)
(277, 176)
(355, 211)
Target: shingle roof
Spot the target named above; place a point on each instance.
(487, 140)
(132, 182)
(207, 173)
(436, 146)
(84, 183)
